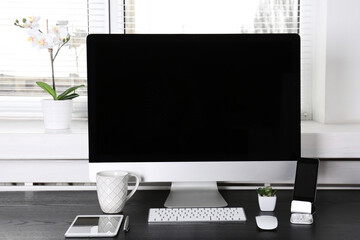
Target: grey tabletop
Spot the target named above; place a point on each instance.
(47, 215)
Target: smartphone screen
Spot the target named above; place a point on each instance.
(306, 180)
(92, 226)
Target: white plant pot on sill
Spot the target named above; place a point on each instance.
(267, 203)
(57, 114)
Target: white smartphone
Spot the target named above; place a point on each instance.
(95, 226)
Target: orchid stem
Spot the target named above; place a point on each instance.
(52, 68)
(58, 51)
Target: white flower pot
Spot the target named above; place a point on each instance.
(57, 114)
(267, 203)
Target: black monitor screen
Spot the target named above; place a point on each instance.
(193, 97)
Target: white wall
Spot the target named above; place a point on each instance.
(342, 87)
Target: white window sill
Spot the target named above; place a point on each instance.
(330, 140)
(318, 128)
(31, 154)
(37, 126)
(27, 139)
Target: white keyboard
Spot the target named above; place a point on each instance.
(301, 218)
(183, 215)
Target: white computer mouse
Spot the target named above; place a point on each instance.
(266, 222)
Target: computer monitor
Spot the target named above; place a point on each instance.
(194, 108)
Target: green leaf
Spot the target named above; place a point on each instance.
(68, 91)
(47, 89)
(266, 191)
(71, 96)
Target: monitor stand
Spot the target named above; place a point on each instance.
(194, 194)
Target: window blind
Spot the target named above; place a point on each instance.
(234, 16)
(122, 16)
(306, 30)
(21, 64)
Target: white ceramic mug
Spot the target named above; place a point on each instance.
(112, 188)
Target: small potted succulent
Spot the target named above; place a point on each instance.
(58, 110)
(267, 198)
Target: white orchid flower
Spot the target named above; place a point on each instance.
(45, 41)
(32, 22)
(34, 35)
(60, 33)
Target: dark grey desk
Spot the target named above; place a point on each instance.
(47, 215)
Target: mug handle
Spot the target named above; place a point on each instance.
(135, 188)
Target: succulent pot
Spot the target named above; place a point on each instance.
(267, 203)
(57, 113)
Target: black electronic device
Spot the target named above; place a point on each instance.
(306, 179)
(181, 107)
(193, 97)
(95, 226)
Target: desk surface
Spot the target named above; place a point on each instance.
(47, 215)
